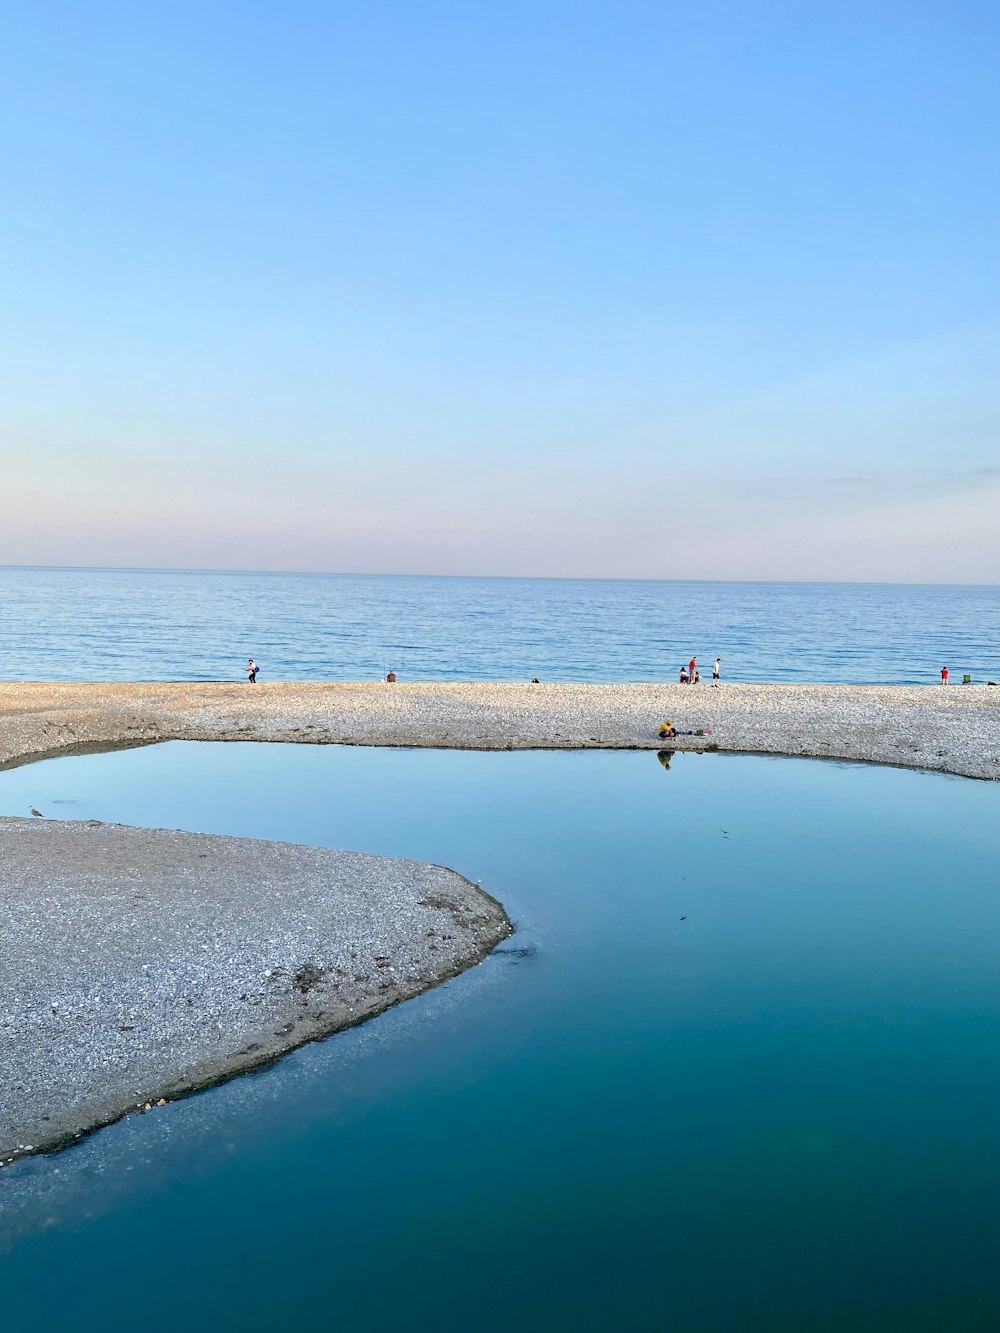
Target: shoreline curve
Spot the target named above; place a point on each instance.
(147, 964)
(953, 729)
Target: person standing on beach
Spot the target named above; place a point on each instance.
(716, 670)
(944, 675)
(691, 667)
(252, 671)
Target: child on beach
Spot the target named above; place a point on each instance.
(944, 675)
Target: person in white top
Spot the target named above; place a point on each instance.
(716, 670)
(252, 671)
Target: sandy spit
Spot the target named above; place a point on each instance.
(948, 729)
(138, 965)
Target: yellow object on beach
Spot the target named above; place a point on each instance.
(666, 729)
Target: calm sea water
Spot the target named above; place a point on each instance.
(776, 1115)
(62, 624)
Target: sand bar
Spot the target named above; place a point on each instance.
(948, 729)
(141, 964)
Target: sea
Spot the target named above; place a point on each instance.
(186, 625)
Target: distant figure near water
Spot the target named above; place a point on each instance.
(252, 671)
(944, 675)
(391, 677)
(716, 670)
(684, 677)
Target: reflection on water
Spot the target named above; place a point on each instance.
(735, 1070)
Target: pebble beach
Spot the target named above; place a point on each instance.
(142, 964)
(946, 729)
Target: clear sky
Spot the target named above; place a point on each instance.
(624, 289)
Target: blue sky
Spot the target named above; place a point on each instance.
(586, 289)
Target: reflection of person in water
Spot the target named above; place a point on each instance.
(665, 757)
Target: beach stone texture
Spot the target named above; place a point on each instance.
(138, 965)
(947, 729)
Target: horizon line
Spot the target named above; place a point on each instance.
(534, 578)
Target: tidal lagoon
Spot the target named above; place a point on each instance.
(735, 1069)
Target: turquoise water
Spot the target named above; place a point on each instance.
(777, 1114)
(81, 624)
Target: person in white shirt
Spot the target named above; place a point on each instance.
(716, 670)
(252, 671)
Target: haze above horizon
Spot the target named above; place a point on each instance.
(437, 574)
(628, 291)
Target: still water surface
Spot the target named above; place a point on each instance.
(777, 1114)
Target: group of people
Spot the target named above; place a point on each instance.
(690, 675)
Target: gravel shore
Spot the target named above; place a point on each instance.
(137, 965)
(141, 964)
(953, 729)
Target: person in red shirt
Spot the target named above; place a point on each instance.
(691, 666)
(944, 675)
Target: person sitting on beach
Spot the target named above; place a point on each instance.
(696, 678)
(668, 729)
(252, 671)
(535, 680)
(391, 677)
(684, 677)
